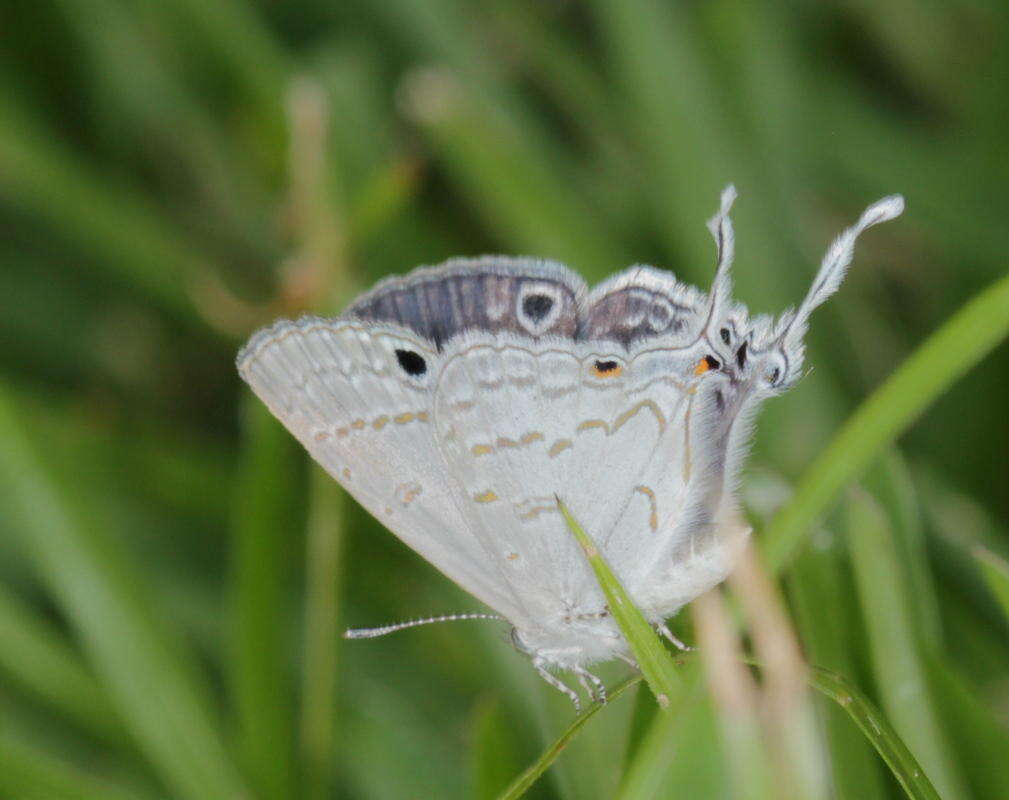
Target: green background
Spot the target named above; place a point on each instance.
(176, 173)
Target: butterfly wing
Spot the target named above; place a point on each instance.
(521, 423)
(357, 392)
(525, 296)
(358, 397)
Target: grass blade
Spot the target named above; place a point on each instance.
(318, 699)
(820, 590)
(265, 518)
(680, 755)
(36, 657)
(147, 675)
(514, 179)
(878, 731)
(656, 664)
(957, 346)
(28, 772)
(494, 752)
(894, 643)
(996, 575)
(114, 229)
(532, 773)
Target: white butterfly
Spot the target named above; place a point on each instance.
(457, 403)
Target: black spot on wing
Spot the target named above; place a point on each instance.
(411, 363)
(537, 306)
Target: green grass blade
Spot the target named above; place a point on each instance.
(28, 772)
(957, 346)
(512, 178)
(494, 750)
(821, 592)
(532, 773)
(891, 483)
(996, 575)
(36, 657)
(116, 230)
(980, 737)
(656, 664)
(678, 752)
(318, 699)
(894, 644)
(146, 673)
(266, 516)
(878, 731)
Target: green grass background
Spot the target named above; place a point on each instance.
(174, 173)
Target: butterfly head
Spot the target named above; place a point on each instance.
(766, 353)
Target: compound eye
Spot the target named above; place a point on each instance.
(774, 371)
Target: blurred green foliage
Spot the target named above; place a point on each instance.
(174, 575)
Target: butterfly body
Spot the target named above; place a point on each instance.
(459, 403)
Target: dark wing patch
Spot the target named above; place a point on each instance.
(639, 303)
(524, 296)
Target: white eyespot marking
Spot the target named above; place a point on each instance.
(538, 306)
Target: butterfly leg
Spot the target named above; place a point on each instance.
(598, 689)
(629, 660)
(559, 685)
(664, 630)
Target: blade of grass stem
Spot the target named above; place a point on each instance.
(788, 721)
(980, 738)
(523, 782)
(512, 178)
(115, 229)
(494, 753)
(148, 675)
(894, 645)
(735, 696)
(996, 575)
(891, 483)
(29, 772)
(36, 657)
(957, 346)
(820, 589)
(318, 697)
(877, 730)
(680, 754)
(265, 517)
(656, 664)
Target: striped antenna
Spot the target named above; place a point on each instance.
(372, 633)
(836, 261)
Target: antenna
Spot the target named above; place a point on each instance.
(372, 633)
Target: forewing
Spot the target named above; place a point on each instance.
(358, 396)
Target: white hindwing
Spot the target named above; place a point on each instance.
(621, 439)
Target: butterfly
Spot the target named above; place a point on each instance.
(457, 404)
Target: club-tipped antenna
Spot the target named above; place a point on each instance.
(372, 633)
(835, 264)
